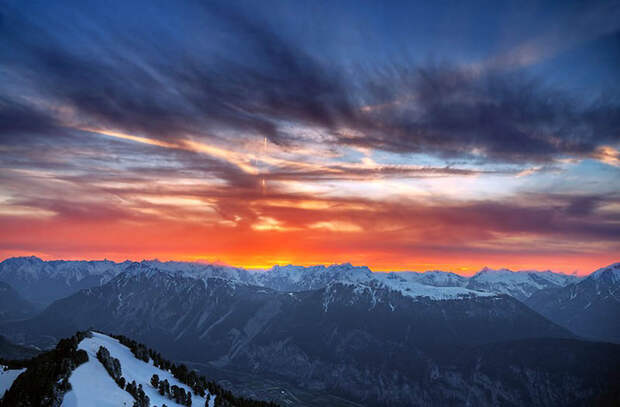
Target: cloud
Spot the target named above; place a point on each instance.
(152, 87)
(246, 130)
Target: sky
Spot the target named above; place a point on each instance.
(398, 135)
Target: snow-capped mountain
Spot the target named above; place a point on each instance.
(518, 284)
(435, 278)
(341, 326)
(46, 281)
(609, 275)
(42, 282)
(338, 338)
(590, 307)
(298, 278)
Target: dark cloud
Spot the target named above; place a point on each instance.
(584, 205)
(18, 120)
(488, 114)
(166, 85)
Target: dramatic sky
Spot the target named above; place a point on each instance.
(403, 136)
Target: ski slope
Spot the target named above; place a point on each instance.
(93, 386)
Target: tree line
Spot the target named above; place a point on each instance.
(197, 383)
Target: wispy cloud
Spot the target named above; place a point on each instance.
(224, 130)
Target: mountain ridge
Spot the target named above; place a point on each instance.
(337, 339)
(47, 281)
(589, 307)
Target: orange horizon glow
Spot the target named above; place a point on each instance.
(263, 249)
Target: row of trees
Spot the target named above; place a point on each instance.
(197, 383)
(142, 400)
(174, 392)
(113, 366)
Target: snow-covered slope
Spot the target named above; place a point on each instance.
(435, 278)
(410, 284)
(518, 284)
(93, 386)
(431, 284)
(7, 377)
(299, 278)
(611, 273)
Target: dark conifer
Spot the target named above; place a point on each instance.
(155, 381)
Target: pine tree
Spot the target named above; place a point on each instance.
(155, 381)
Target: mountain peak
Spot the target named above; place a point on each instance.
(612, 272)
(23, 259)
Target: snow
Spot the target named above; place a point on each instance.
(93, 386)
(299, 278)
(613, 271)
(415, 289)
(503, 276)
(434, 277)
(519, 284)
(431, 284)
(7, 377)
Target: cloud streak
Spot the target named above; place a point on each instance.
(440, 109)
(222, 129)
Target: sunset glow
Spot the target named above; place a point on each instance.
(247, 141)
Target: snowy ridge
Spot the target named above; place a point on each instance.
(434, 278)
(415, 288)
(32, 268)
(93, 386)
(506, 275)
(612, 272)
(431, 284)
(519, 284)
(298, 278)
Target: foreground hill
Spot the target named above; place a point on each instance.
(590, 308)
(95, 370)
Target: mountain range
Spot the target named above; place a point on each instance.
(43, 282)
(399, 338)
